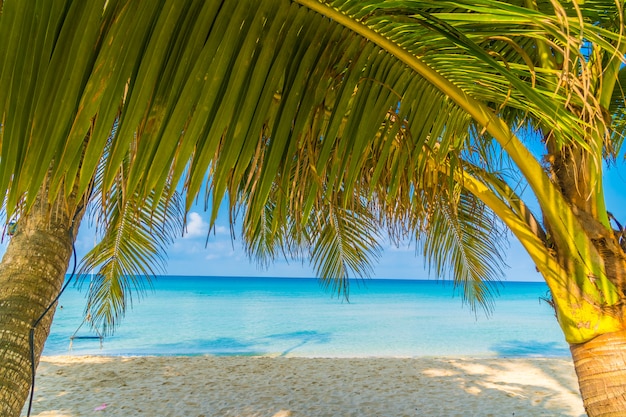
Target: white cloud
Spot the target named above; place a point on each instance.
(222, 230)
(196, 226)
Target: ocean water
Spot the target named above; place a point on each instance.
(297, 317)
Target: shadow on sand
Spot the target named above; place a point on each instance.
(530, 349)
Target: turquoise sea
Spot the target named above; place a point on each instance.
(297, 317)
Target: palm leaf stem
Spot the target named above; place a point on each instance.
(565, 291)
(514, 201)
(545, 57)
(612, 68)
(609, 78)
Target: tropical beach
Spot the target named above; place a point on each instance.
(305, 387)
(326, 133)
(281, 347)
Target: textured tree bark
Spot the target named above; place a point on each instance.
(32, 273)
(601, 368)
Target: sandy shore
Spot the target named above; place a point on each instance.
(205, 386)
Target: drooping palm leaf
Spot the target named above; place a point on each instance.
(132, 238)
(463, 241)
(338, 242)
(344, 244)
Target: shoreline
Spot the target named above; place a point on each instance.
(259, 386)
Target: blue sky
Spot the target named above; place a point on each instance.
(193, 254)
(218, 255)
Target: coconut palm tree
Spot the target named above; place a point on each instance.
(325, 122)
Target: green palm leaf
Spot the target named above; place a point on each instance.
(132, 242)
(343, 243)
(340, 243)
(463, 241)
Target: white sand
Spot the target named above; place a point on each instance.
(206, 386)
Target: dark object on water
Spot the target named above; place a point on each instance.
(74, 336)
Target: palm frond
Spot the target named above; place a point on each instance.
(344, 243)
(463, 241)
(340, 242)
(134, 236)
(265, 239)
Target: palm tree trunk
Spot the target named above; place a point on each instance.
(601, 368)
(32, 273)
